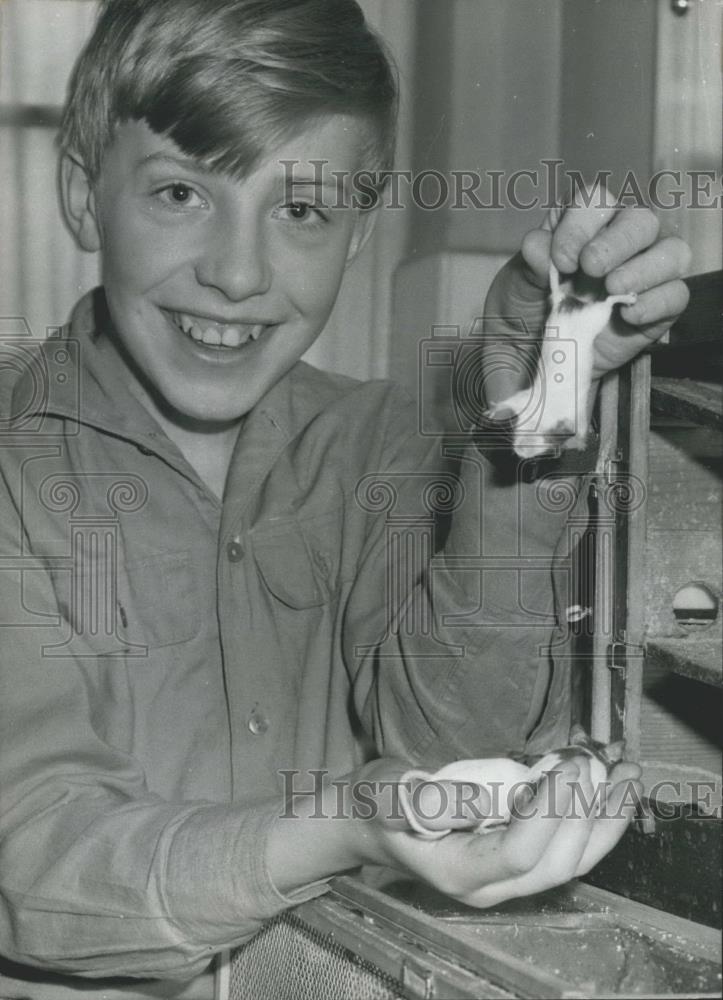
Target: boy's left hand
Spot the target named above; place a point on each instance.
(559, 834)
(596, 240)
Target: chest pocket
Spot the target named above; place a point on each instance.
(296, 571)
(151, 603)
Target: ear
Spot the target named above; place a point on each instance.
(77, 196)
(578, 736)
(363, 229)
(615, 751)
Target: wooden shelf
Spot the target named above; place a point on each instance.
(696, 656)
(699, 402)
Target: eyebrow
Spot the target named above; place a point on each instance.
(334, 184)
(313, 182)
(184, 162)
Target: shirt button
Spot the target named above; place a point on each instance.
(234, 550)
(258, 723)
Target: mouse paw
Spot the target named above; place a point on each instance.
(510, 407)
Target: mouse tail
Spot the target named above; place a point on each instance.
(556, 293)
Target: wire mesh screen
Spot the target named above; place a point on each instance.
(289, 960)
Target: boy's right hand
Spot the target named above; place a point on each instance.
(554, 839)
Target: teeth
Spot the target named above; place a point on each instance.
(212, 335)
(231, 336)
(216, 335)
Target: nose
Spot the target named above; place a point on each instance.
(233, 258)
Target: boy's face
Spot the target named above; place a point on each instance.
(192, 257)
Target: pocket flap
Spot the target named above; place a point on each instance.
(150, 603)
(285, 563)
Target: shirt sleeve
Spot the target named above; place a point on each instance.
(464, 654)
(98, 875)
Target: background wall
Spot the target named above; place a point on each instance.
(41, 272)
(623, 86)
(486, 98)
(607, 106)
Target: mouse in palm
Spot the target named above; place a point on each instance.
(553, 412)
(511, 783)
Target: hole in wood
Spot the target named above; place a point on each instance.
(695, 607)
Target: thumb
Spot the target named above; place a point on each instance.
(535, 252)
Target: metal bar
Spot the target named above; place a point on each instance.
(222, 977)
(502, 969)
(421, 974)
(604, 551)
(636, 563)
(620, 487)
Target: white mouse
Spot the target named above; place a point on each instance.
(509, 782)
(553, 412)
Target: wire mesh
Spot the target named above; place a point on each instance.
(289, 960)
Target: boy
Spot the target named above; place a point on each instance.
(193, 587)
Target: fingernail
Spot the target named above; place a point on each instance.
(565, 262)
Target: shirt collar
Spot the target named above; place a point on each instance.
(81, 376)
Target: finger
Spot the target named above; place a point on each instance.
(535, 825)
(629, 231)
(535, 251)
(564, 852)
(666, 260)
(660, 305)
(609, 827)
(562, 830)
(623, 772)
(553, 217)
(589, 212)
(626, 770)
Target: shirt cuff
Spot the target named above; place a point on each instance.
(218, 888)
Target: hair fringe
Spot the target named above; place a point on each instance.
(229, 79)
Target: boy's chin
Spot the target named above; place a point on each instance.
(209, 419)
(202, 416)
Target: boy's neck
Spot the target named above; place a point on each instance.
(209, 453)
(206, 447)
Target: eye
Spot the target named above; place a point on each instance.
(303, 212)
(299, 210)
(180, 195)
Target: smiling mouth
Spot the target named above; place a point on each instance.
(212, 334)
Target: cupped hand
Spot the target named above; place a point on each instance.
(560, 833)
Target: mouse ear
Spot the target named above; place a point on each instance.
(578, 736)
(615, 751)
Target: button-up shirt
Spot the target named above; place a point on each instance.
(167, 655)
